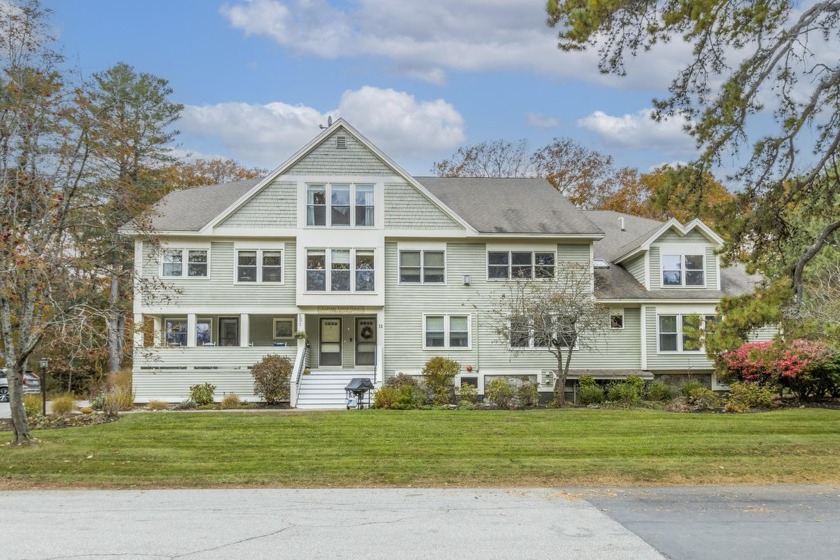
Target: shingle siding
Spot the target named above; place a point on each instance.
(408, 208)
(273, 207)
(328, 159)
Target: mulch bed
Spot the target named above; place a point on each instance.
(53, 422)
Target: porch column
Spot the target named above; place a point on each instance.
(139, 330)
(244, 330)
(301, 322)
(157, 330)
(191, 329)
(379, 372)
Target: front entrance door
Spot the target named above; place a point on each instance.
(330, 347)
(366, 341)
(228, 331)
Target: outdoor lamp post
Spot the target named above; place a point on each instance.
(44, 363)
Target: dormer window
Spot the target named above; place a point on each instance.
(683, 270)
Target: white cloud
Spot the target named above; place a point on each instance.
(639, 131)
(265, 135)
(426, 40)
(541, 121)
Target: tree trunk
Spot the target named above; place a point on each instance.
(114, 322)
(560, 384)
(20, 424)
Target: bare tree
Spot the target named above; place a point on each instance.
(559, 315)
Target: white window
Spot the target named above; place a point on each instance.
(616, 318)
(284, 328)
(340, 205)
(507, 265)
(681, 333)
(683, 270)
(204, 332)
(422, 267)
(175, 331)
(173, 260)
(340, 270)
(259, 265)
(446, 331)
(528, 332)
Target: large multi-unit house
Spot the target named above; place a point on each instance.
(382, 271)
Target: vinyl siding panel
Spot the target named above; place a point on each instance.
(272, 207)
(408, 208)
(327, 159)
(636, 267)
(672, 236)
(764, 334)
(219, 288)
(681, 362)
(655, 270)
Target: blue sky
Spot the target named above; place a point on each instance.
(419, 79)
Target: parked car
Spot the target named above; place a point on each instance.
(31, 385)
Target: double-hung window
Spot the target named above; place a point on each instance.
(184, 263)
(259, 265)
(175, 332)
(683, 270)
(682, 333)
(340, 270)
(422, 267)
(539, 332)
(513, 265)
(340, 205)
(446, 331)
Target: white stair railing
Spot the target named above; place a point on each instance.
(297, 371)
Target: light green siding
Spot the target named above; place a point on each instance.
(655, 270)
(763, 334)
(636, 267)
(407, 208)
(577, 253)
(328, 159)
(693, 238)
(676, 362)
(672, 236)
(711, 269)
(219, 288)
(272, 207)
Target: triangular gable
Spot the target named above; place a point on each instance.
(673, 224)
(311, 152)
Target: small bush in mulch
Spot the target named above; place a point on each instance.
(53, 422)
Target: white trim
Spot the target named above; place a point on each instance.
(717, 264)
(446, 332)
(328, 271)
(259, 250)
(352, 182)
(682, 251)
(251, 245)
(615, 311)
(185, 262)
(647, 269)
(222, 310)
(421, 246)
(184, 244)
(682, 229)
(522, 247)
(644, 342)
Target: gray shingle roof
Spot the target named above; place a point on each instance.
(191, 209)
(493, 205)
(617, 242)
(616, 283)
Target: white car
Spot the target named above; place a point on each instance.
(31, 385)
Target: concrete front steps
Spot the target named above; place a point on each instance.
(324, 389)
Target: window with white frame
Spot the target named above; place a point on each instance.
(175, 331)
(340, 205)
(259, 265)
(446, 331)
(682, 333)
(184, 263)
(284, 328)
(616, 318)
(340, 270)
(507, 265)
(540, 333)
(204, 332)
(422, 267)
(683, 270)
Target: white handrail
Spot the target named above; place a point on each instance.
(297, 371)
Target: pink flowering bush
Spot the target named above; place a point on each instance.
(808, 368)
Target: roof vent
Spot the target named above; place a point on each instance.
(621, 223)
(600, 263)
(341, 142)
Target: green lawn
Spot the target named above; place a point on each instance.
(432, 448)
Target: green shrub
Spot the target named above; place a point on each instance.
(626, 392)
(467, 405)
(659, 391)
(185, 404)
(527, 394)
(32, 405)
(467, 393)
(272, 378)
(587, 381)
(402, 379)
(405, 397)
(690, 386)
(157, 405)
(752, 395)
(63, 405)
(499, 392)
(637, 382)
(438, 373)
(202, 394)
(591, 394)
(231, 400)
(703, 399)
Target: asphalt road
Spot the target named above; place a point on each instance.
(626, 524)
